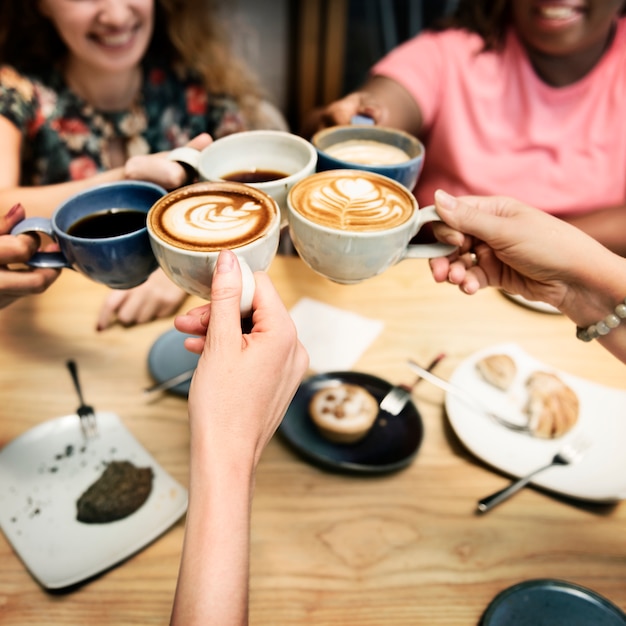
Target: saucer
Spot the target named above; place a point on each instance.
(391, 444)
(546, 602)
(535, 305)
(169, 357)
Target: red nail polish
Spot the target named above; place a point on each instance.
(13, 210)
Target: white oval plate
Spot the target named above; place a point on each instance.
(601, 473)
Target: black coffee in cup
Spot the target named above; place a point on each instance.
(108, 223)
(254, 176)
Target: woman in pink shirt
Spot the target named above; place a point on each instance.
(523, 97)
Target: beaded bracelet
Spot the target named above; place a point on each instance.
(605, 326)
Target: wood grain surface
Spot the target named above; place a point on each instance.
(327, 549)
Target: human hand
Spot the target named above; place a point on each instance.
(157, 297)
(268, 363)
(517, 248)
(155, 168)
(342, 111)
(16, 283)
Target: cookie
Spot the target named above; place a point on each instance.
(497, 369)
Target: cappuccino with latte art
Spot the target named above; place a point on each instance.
(210, 218)
(353, 201)
(349, 225)
(190, 226)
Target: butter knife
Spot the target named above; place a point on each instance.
(467, 398)
(171, 382)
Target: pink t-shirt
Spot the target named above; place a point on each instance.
(492, 127)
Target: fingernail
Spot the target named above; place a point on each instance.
(444, 199)
(14, 209)
(225, 262)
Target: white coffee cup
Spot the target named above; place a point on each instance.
(252, 157)
(350, 225)
(189, 227)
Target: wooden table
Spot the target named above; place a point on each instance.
(327, 549)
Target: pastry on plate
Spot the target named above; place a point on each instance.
(343, 413)
(552, 406)
(497, 369)
(119, 492)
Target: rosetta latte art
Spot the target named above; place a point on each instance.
(354, 203)
(214, 221)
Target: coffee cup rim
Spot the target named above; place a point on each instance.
(371, 128)
(96, 190)
(208, 185)
(270, 133)
(352, 173)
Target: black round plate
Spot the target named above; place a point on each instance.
(169, 357)
(391, 444)
(548, 602)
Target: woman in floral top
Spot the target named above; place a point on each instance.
(97, 85)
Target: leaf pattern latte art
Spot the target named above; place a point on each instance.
(357, 204)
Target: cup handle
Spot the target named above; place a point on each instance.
(248, 286)
(189, 158)
(362, 119)
(428, 250)
(54, 260)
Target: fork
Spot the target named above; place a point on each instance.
(85, 412)
(468, 399)
(570, 453)
(397, 397)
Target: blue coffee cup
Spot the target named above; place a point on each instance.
(115, 252)
(367, 147)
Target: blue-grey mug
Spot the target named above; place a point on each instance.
(101, 233)
(379, 149)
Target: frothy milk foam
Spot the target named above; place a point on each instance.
(209, 220)
(367, 152)
(352, 200)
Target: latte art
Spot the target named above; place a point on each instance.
(211, 220)
(352, 201)
(367, 152)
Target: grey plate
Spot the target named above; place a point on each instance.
(168, 357)
(391, 444)
(549, 602)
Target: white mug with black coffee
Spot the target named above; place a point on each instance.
(350, 225)
(270, 160)
(189, 227)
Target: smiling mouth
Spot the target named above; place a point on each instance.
(558, 12)
(116, 40)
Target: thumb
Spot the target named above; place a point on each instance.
(467, 217)
(225, 319)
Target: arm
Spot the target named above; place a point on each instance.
(526, 251)
(383, 99)
(16, 283)
(43, 199)
(608, 226)
(229, 431)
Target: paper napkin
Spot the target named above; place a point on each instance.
(334, 338)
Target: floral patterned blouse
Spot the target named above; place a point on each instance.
(65, 138)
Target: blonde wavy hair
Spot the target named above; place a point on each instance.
(188, 36)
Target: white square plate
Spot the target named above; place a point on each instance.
(599, 476)
(44, 471)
